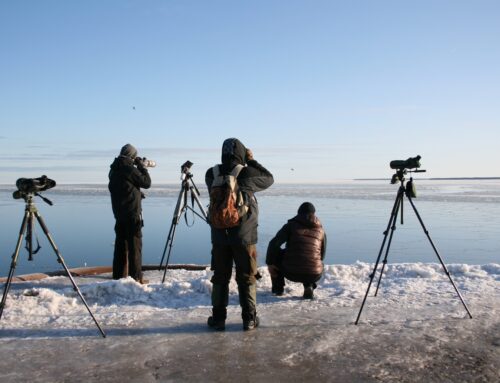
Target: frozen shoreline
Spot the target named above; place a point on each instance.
(415, 330)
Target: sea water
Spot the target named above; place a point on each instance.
(462, 218)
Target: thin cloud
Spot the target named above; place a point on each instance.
(389, 109)
(107, 153)
(13, 169)
(85, 154)
(30, 157)
(39, 147)
(306, 149)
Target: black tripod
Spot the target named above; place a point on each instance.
(27, 226)
(398, 205)
(187, 186)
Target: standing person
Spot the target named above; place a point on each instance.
(235, 239)
(126, 178)
(302, 258)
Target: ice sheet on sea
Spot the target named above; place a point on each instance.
(433, 190)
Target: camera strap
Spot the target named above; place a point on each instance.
(192, 210)
(29, 241)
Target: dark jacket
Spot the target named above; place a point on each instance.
(252, 178)
(125, 182)
(305, 246)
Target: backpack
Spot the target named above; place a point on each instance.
(227, 205)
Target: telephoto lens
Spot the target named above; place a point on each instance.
(149, 163)
(145, 162)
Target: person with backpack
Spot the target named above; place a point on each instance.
(127, 176)
(233, 217)
(302, 259)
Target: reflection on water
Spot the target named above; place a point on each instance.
(464, 231)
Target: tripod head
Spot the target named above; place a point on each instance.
(404, 167)
(28, 197)
(399, 176)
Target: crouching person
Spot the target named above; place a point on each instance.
(302, 259)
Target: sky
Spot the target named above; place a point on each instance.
(319, 90)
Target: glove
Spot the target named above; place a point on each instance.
(139, 162)
(249, 155)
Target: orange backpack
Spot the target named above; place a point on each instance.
(227, 205)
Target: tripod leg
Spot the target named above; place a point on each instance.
(179, 208)
(13, 264)
(439, 256)
(399, 197)
(171, 238)
(29, 237)
(61, 261)
(393, 228)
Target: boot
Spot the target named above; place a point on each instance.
(218, 319)
(278, 286)
(220, 298)
(251, 324)
(277, 291)
(308, 292)
(248, 300)
(277, 280)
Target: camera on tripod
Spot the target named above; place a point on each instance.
(186, 170)
(403, 166)
(410, 163)
(188, 187)
(186, 167)
(27, 186)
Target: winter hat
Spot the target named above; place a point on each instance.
(128, 151)
(307, 208)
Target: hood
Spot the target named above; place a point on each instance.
(308, 220)
(120, 162)
(128, 150)
(233, 153)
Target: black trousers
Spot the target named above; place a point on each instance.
(245, 260)
(307, 280)
(127, 259)
(278, 280)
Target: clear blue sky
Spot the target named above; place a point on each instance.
(330, 89)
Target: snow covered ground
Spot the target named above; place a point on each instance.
(415, 330)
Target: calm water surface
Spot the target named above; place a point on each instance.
(463, 221)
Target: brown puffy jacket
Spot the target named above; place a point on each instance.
(305, 246)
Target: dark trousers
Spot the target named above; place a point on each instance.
(308, 280)
(280, 273)
(245, 260)
(127, 259)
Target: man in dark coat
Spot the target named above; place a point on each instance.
(302, 258)
(126, 178)
(237, 243)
